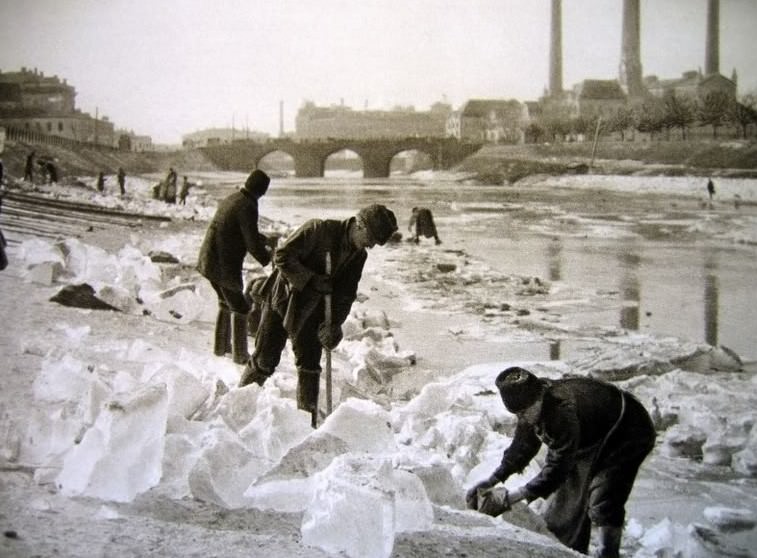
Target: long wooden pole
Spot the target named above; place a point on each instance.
(327, 319)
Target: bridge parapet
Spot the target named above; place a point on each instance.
(310, 155)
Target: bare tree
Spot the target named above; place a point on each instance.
(680, 112)
(649, 117)
(620, 121)
(714, 110)
(744, 112)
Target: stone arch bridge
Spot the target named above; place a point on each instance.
(310, 155)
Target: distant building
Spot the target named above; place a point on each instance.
(598, 97)
(220, 136)
(489, 120)
(340, 121)
(692, 84)
(129, 141)
(33, 102)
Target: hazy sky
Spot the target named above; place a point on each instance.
(168, 67)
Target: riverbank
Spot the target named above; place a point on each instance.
(493, 164)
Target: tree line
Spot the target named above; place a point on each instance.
(654, 116)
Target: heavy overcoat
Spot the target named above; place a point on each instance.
(232, 233)
(303, 255)
(596, 436)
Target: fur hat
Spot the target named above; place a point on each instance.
(518, 388)
(380, 221)
(257, 183)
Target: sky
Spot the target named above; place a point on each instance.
(170, 67)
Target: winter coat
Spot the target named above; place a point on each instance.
(303, 255)
(232, 233)
(597, 435)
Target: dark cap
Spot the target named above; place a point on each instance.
(257, 183)
(380, 221)
(518, 388)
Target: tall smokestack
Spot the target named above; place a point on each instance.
(712, 50)
(281, 119)
(555, 50)
(630, 57)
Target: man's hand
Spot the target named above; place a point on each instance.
(471, 497)
(321, 283)
(329, 336)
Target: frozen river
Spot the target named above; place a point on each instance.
(663, 263)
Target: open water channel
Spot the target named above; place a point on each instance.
(659, 270)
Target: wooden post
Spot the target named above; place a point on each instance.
(594, 146)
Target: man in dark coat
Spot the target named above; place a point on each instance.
(292, 297)
(597, 436)
(29, 167)
(232, 233)
(121, 180)
(423, 221)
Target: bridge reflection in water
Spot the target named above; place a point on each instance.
(310, 155)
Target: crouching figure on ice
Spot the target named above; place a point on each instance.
(292, 296)
(597, 436)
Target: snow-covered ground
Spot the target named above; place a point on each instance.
(108, 417)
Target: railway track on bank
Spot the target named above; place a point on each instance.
(29, 215)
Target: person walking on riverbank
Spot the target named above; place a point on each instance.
(184, 191)
(292, 297)
(423, 221)
(101, 182)
(597, 437)
(169, 195)
(29, 167)
(231, 235)
(121, 180)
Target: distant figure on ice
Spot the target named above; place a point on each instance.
(232, 233)
(29, 167)
(184, 191)
(121, 180)
(101, 182)
(170, 192)
(710, 188)
(597, 436)
(423, 221)
(292, 297)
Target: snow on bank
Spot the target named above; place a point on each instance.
(171, 420)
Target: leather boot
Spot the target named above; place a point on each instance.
(308, 383)
(239, 338)
(253, 375)
(608, 545)
(222, 340)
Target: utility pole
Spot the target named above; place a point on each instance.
(96, 117)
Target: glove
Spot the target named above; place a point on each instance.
(321, 283)
(517, 494)
(471, 497)
(329, 336)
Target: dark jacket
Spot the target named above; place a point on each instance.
(232, 233)
(576, 417)
(303, 255)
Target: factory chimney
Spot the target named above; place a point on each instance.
(712, 49)
(555, 51)
(281, 119)
(630, 57)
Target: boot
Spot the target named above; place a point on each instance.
(252, 374)
(308, 383)
(609, 542)
(239, 338)
(222, 341)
